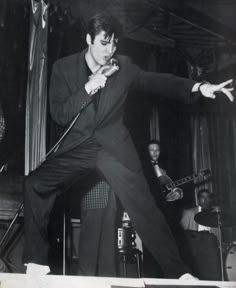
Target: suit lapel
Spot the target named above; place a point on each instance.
(81, 68)
(107, 97)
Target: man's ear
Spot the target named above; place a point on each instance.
(88, 39)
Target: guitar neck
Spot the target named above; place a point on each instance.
(183, 180)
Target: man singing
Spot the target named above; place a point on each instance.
(99, 140)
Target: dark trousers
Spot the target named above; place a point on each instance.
(200, 250)
(97, 244)
(58, 173)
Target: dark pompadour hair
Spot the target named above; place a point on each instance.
(104, 22)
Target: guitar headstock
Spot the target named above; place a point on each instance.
(204, 172)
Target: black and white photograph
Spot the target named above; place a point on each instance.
(117, 143)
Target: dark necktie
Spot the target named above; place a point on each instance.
(96, 96)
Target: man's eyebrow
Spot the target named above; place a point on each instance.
(108, 40)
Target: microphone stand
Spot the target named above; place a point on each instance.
(219, 222)
(56, 146)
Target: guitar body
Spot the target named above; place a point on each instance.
(169, 186)
(165, 180)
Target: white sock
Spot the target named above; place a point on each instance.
(188, 276)
(37, 269)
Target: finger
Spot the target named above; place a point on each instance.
(103, 78)
(223, 84)
(221, 91)
(228, 94)
(103, 68)
(102, 82)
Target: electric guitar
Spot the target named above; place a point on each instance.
(171, 188)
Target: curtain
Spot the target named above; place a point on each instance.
(214, 140)
(2, 124)
(154, 116)
(201, 152)
(36, 98)
(222, 135)
(154, 124)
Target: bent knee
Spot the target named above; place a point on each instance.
(33, 184)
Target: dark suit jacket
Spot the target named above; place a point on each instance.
(171, 210)
(67, 94)
(153, 182)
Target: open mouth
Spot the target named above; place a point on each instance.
(107, 58)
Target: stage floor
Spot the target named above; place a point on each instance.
(8, 280)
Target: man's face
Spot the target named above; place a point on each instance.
(204, 200)
(154, 151)
(102, 48)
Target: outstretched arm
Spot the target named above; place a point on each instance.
(210, 90)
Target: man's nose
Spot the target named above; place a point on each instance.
(110, 48)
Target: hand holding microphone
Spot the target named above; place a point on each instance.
(98, 80)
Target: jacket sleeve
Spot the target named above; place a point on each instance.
(163, 84)
(65, 101)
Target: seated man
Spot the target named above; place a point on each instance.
(204, 201)
(198, 244)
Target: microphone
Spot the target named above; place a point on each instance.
(108, 70)
(112, 68)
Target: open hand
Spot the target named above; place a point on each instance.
(210, 90)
